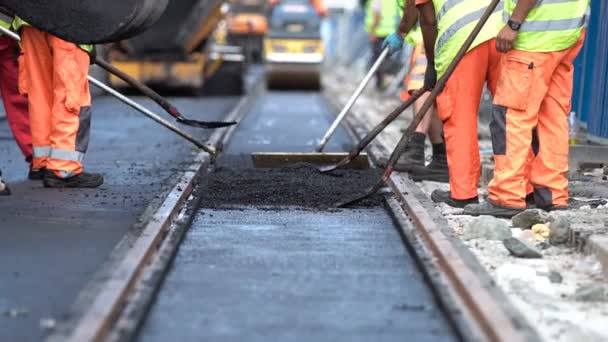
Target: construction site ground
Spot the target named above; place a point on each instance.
(564, 294)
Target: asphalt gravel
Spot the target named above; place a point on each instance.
(53, 241)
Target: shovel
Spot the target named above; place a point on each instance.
(425, 107)
(352, 100)
(373, 133)
(161, 101)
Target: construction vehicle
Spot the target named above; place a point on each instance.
(247, 26)
(88, 21)
(293, 49)
(187, 48)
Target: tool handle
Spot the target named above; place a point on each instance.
(403, 142)
(151, 115)
(144, 89)
(352, 100)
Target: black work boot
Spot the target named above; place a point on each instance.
(4, 190)
(440, 196)
(36, 174)
(82, 180)
(412, 157)
(437, 170)
(491, 209)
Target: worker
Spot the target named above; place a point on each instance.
(445, 27)
(413, 158)
(381, 19)
(15, 104)
(54, 77)
(4, 189)
(540, 41)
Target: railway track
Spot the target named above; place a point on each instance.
(280, 264)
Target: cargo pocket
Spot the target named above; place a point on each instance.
(514, 83)
(73, 77)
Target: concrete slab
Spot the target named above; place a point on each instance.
(53, 241)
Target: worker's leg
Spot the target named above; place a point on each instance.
(376, 51)
(36, 80)
(521, 89)
(71, 118)
(15, 104)
(550, 166)
(458, 111)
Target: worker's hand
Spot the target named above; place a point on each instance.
(430, 76)
(506, 39)
(394, 43)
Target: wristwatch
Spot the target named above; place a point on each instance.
(514, 25)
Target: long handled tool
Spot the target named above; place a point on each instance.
(374, 133)
(425, 107)
(161, 101)
(209, 149)
(352, 100)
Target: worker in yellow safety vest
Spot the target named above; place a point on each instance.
(413, 158)
(381, 19)
(540, 40)
(53, 74)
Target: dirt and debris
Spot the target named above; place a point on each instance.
(300, 185)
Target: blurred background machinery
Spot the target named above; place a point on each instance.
(294, 49)
(186, 49)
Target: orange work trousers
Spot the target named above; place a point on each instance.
(532, 102)
(457, 106)
(53, 74)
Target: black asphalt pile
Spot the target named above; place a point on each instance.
(299, 185)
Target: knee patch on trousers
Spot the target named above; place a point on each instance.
(84, 129)
(498, 128)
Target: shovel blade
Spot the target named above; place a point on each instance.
(206, 124)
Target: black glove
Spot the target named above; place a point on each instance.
(430, 77)
(93, 54)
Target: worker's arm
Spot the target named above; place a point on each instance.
(428, 25)
(508, 34)
(375, 23)
(409, 18)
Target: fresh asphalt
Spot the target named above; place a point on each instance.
(293, 274)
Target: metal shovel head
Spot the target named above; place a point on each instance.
(206, 124)
(283, 159)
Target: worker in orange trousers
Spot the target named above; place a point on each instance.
(540, 42)
(15, 104)
(445, 28)
(53, 74)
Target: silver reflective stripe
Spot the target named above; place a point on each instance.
(550, 2)
(550, 25)
(448, 5)
(587, 16)
(41, 151)
(67, 155)
(460, 23)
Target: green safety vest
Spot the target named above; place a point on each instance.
(18, 23)
(389, 18)
(552, 25)
(414, 37)
(455, 22)
(5, 25)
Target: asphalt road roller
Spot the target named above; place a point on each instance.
(293, 49)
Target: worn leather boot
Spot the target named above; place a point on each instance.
(436, 171)
(82, 180)
(412, 157)
(441, 196)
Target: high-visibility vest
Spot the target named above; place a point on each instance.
(18, 23)
(5, 25)
(552, 25)
(389, 18)
(414, 37)
(455, 22)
